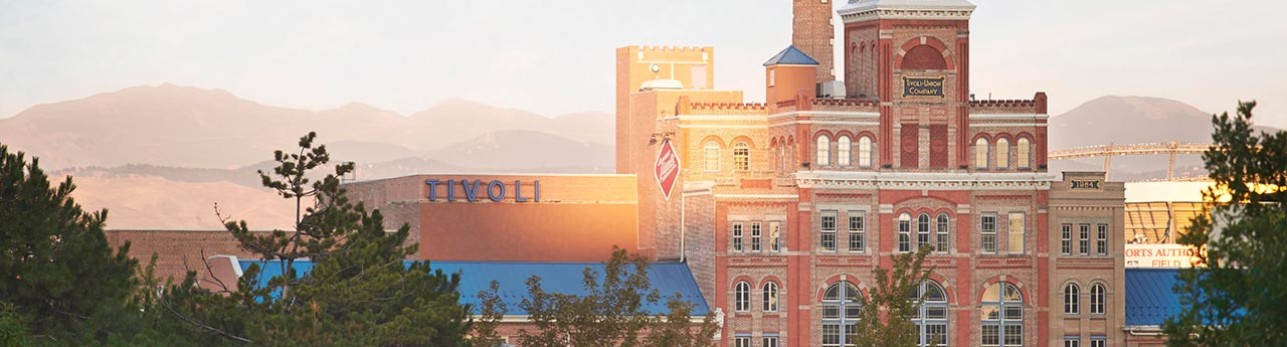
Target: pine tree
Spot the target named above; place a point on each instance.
(1235, 293)
(361, 291)
(56, 267)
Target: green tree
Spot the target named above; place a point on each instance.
(359, 291)
(612, 312)
(492, 309)
(56, 267)
(1235, 293)
(13, 327)
(892, 295)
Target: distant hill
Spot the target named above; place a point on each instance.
(1129, 120)
(182, 126)
(520, 149)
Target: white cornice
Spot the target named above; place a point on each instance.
(1009, 116)
(918, 180)
(864, 10)
(1002, 125)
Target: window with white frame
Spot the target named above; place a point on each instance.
(931, 318)
(741, 156)
(857, 231)
(1072, 341)
(1016, 231)
(755, 237)
(742, 297)
(742, 341)
(824, 151)
(981, 153)
(1002, 315)
(1097, 298)
(1065, 239)
(1023, 153)
(1101, 242)
(1084, 242)
(1098, 341)
(865, 151)
(770, 341)
(842, 151)
(827, 221)
(922, 230)
(770, 296)
(904, 232)
(710, 156)
(1072, 299)
(943, 235)
(988, 232)
(737, 237)
(841, 308)
(775, 236)
(1003, 154)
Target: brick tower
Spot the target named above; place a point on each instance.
(812, 32)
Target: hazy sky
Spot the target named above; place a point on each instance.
(555, 57)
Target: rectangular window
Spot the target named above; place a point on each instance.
(755, 237)
(775, 237)
(922, 231)
(857, 231)
(1101, 242)
(1013, 335)
(828, 222)
(1098, 341)
(944, 228)
(1072, 341)
(830, 334)
(1084, 242)
(988, 230)
(1065, 239)
(737, 237)
(991, 335)
(742, 341)
(770, 341)
(1016, 232)
(904, 233)
(710, 156)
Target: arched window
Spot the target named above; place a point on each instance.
(770, 297)
(742, 297)
(865, 151)
(1003, 154)
(840, 311)
(923, 230)
(741, 156)
(944, 231)
(931, 317)
(1002, 316)
(981, 153)
(1072, 299)
(1097, 299)
(782, 159)
(710, 155)
(1023, 153)
(842, 151)
(904, 232)
(824, 150)
(924, 57)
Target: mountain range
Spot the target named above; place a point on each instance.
(162, 156)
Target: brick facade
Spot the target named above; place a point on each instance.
(890, 151)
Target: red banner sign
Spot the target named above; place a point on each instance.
(667, 168)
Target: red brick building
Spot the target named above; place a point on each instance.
(785, 207)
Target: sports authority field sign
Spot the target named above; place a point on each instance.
(667, 168)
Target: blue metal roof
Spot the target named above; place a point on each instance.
(1150, 296)
(791, 56)
(565, 278)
